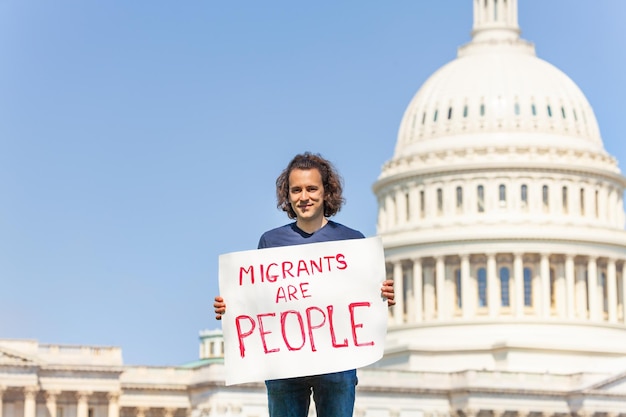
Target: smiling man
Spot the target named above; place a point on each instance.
(309, 190)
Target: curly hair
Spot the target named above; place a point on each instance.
(331, 180)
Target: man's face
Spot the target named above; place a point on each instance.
(306, 194)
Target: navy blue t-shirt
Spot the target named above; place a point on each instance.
(290, 234)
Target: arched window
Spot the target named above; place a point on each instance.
(422, 204)
(502, 195)
(505, 276)
(549, 111)
(465, 111)
(582, 201)
(407, 207)
(459, 198)
(482, 109)
(435, 115)
(482, 287)
(480, 198)
(528, 287)
(423, 117)
(439, 201)
(524, 195)
(565, 200)
(516, 108)
(545, 198)
(449, 113)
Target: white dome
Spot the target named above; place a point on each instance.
(502, 88)
(497, 93)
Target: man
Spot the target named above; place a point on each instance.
(310, 191)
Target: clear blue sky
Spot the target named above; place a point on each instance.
(141, 139)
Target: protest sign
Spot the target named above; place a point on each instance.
(302, 310)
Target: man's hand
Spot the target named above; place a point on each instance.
(387, 292)
(220, 307)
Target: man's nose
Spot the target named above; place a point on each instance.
(304, 195)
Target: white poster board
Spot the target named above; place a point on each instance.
(302, 310)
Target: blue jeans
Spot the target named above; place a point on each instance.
(333, 395)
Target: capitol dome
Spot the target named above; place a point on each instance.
(502, 217)
(498, 94)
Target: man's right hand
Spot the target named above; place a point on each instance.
(220, 307)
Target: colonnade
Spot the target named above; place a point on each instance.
(56, 403)
(542, 285)
(472, 412)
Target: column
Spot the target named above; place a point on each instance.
(493, 298)
(518, 282)
(429, 293)
(390, 212)
(611, 286)
(2, 388)
(581, 293)
(440, 290)
(169, 412)
(417, 291)
(398, 285)
(592, 289)
(114, 404)
(467, 301)
(560, 290)
(30, 394)
(569, 286)
(401, 202)
(624, 291)
(141, 411)
(544, 268)
(51, 402)
(82, 406)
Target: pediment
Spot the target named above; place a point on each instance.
(614, 384)
(12, 358)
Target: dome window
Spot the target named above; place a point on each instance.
(480, 194)
(465, 111)
(516, 108)
(582, 201)
(482, 287)
(502, 195)
(574, 114)
(439, 201)
(549, 111)
(505, 276)
(459, 199)
(545, 197)
(435, 115)
(528, 287)
(564, 197)
(423, 117)
(449, 113)
(482, 109)
(422, 204)
(524, 196)
(533, 109)
(563, 111)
